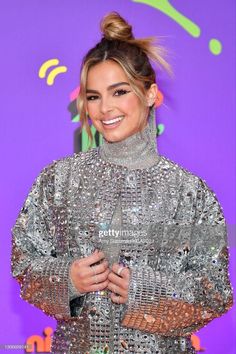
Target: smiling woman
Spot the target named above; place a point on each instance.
(126, 249)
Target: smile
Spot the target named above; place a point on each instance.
(112, 121)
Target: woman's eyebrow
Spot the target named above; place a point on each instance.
(109, 87)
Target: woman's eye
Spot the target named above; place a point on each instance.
(91, 98)
(121, 92)
(116, 93)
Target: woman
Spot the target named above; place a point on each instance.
(123, 247)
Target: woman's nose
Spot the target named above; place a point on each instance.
(105, 105)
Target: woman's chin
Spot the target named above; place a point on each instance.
(113, 137)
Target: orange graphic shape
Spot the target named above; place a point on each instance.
(159, 99)
(196, 343)
(39, 344)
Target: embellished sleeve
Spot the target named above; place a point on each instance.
(177, 303)
(43, 275)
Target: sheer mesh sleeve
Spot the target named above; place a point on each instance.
(178, 303)
(42, 273)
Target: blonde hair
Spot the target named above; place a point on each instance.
(132, 54)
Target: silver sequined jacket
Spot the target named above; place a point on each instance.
(141, 209)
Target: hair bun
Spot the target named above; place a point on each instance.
(113, 27)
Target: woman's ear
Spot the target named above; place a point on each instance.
(151, 94)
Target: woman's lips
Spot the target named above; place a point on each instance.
(112, 125)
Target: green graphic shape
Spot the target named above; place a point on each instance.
(215, 46)
(194, 30)
(169, 10)
(160, 129)
(85, 138)
(76, 118)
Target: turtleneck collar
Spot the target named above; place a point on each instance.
(136, 151)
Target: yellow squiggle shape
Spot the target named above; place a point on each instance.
(45, 66)
(165, 7)
(51, 76)
(54, 73)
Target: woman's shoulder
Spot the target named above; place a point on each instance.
(183, 174)
(59, 170)
(66, 162)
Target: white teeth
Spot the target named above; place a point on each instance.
(113, 120)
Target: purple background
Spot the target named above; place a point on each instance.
(198, 114)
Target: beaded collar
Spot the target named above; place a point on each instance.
(136, 151)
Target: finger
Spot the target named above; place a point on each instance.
(124, 273)
(93, 258)
(86, 275)
(98, 287)
(117, 289)
(100, 268)
(118, 281)
(84, 271)
(115, 279)
(118, 299)
(99, 278)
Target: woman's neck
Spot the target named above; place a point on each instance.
(137, 151)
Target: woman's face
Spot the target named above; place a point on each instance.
(112, 105)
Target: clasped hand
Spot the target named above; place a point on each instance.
(88, 277)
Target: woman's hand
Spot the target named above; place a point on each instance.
(87, 277)
(119, 277)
